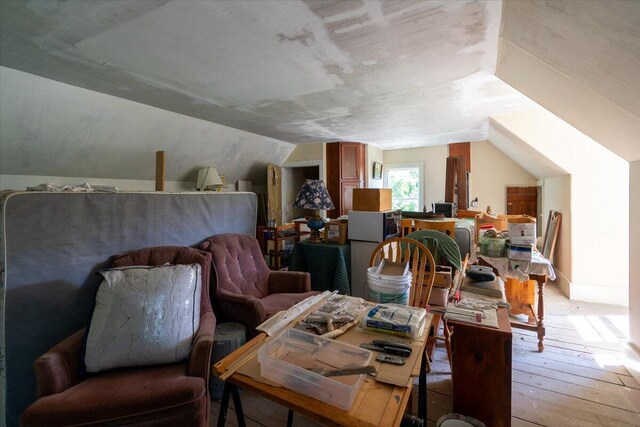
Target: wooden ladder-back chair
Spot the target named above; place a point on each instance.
(421, 265)
(406, 226)
(447, 227)
(403, 249)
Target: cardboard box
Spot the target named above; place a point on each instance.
(372, 199)
(522, 230)
(336, 232)
(439, 297)
(520, 253)
(443, 277)
(390, 268)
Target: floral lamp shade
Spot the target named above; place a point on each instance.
(314, 195)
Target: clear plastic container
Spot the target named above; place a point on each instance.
(287, 359)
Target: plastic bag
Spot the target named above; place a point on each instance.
(395, 319)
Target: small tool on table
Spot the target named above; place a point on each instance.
(344, 371)
(387, 358)
(389, 347)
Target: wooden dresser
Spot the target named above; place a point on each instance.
(481, 370)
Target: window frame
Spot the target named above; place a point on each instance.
(401, 166)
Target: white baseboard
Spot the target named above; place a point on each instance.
(563, 283)
(592, 293)
(632, 360)
(599, 294)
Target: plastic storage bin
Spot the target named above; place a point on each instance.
(285, 361)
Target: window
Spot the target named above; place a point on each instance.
(405, 181)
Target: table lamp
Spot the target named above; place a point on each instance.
(208, 178)
(314, 195)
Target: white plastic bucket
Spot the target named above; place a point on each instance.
(388, 289)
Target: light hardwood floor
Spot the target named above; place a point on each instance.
(579, 379)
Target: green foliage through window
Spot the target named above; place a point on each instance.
(405, 188)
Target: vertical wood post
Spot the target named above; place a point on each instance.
(159, 170)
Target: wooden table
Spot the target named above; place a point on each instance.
(537, 325)
(377, 403)
(278, 235)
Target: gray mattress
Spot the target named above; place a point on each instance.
(53, 243)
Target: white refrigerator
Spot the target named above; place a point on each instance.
(366, 230)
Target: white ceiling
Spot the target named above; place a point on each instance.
(392, 73)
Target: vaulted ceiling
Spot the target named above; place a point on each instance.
(391, 73)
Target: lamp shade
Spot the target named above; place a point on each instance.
(208, 177)
(313, 195)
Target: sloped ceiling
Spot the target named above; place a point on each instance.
(521, 152)
(581, 61)
(391, 73)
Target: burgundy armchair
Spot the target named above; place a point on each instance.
(247, 291)
(162, 395)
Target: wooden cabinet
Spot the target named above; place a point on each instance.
(346, 190)
(345, 171)
(481, 370)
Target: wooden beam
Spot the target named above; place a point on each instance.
(159, 170)
(461, 183)
(461, 149)
(450, 180)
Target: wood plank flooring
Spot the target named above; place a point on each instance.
(579, 379)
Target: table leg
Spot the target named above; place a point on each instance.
(542, 280)
(224, 405)
(230, 389)
(290, 418)
(422, 389)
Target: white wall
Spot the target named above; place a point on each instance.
(556, 193)
(434, 167)
(634, 254)
(305, 152)
(491, 173)
(599, 201)
(373, 154)
(48, 128)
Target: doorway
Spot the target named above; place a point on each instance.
(525, 201)
(293, 176)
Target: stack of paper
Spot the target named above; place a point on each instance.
(479, 316)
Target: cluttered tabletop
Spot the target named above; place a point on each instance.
(332, 359)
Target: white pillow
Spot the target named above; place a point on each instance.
(143, 316)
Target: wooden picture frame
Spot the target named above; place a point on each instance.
(377, 170)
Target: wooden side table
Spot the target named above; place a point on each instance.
(278, 235)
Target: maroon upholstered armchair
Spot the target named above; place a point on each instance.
(163, 395)
(247, 291)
